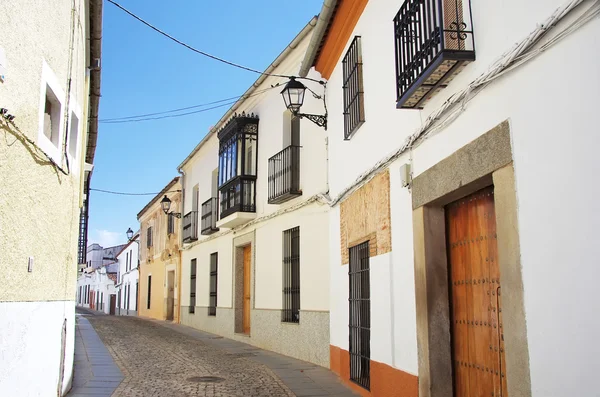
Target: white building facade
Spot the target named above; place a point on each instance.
(453, 222)
(255, 230)
(96, 289)
(128, 278)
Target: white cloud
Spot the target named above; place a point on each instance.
(106, 238)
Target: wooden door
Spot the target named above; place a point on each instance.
(113, 304)
(477, 346)
(170, 295)
(246, 289)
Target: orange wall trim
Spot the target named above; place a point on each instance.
(385, 380)
(342, 26)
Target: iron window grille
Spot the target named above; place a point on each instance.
(434, 42)
(284, 175)
(149, 291)
(238, 144)
(360, 315)
(193, 286)
(170, 224)
(137, 292)
(291, 276)
(212, 297)
(354, 104)
(190, 227)
(149, 237)
(210, 213)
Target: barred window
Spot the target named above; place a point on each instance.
(291, 276)
(170, 224)
(354, 106)
(212, 296)
(149, 291)
(149, 237)
(193, 286)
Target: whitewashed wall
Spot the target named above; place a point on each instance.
(128, 277)
(267, 329)
(31, 346)
(550, 104)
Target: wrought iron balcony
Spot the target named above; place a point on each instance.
(238, 195)
(209, 218)
(434, 42)
(284, 175)
(190, 227)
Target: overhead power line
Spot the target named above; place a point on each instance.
(131, 194)
(189, 47)
(145, 117)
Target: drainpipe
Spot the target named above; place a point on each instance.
(317, 36)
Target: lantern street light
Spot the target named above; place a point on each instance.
(293, 97)
(130, 238)
(165, 203)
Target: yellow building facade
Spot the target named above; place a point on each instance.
(160, 268)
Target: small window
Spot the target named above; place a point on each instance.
(52, 112)
(127, 261)
(354, 106)
(73, 135)
(170, 224)
(149, 237)
(291, 276)
(149, 291)
(212, 308)
(193, 286)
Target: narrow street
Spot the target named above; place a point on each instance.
(162, 359)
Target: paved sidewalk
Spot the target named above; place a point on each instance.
(301, 377)
(95, 373)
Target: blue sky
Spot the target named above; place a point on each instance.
(144, 72)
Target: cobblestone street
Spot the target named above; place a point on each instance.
(164, 359)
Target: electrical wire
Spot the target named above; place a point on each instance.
(131, 194)
(172, 110)
(130, 119)
(189, 47)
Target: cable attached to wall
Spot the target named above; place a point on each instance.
(33, 149)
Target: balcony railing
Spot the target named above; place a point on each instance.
(190, 226)
(209, 218)
(434, 42)
(284, 175)
(238, 195)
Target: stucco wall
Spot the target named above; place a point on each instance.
(552, 123)
(308, 340)
(161, 257)
(39, 206)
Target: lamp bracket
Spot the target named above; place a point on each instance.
(320, 120)
(175, 214)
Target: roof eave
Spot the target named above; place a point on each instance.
(325, 16)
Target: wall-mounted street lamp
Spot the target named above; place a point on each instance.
(165, 203)
(293, 96)
(130, 236)
(137, 241)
